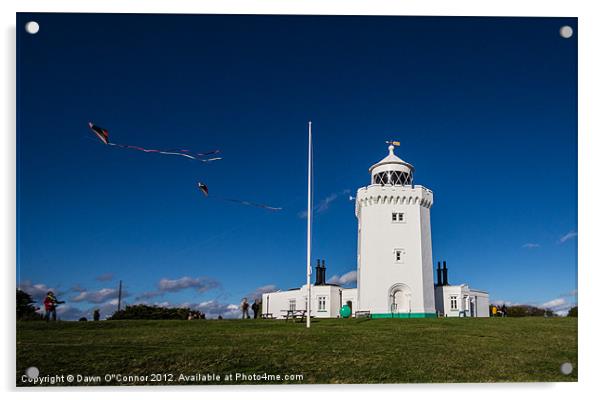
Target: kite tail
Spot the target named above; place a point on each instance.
(181, 153)
(205, 154)
(249, 203)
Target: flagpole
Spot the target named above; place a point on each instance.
(309, 176)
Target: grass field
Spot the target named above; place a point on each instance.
(332, 351)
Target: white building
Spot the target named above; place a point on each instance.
(458, 300)
(327, 299)
(394, 258)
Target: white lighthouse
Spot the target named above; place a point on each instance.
(394, 260)
(394, 253)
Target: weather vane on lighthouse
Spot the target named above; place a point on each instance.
(392, 144)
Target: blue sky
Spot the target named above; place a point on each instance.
(485, 109)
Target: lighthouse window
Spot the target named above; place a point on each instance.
(392, 178)
(399, 256)
(292, 304)
(322, 303)
(453, 302)
(397, 217)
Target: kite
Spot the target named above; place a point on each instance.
(103, 135)
(205, 190)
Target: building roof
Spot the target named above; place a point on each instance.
(392, 159)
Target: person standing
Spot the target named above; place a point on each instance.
(244, 306)
(50, 303)
(255, 308)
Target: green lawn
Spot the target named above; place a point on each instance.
(332, 351)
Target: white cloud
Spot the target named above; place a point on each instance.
(554, 303)
(213, 309)
(202, 285)
(345, 279)
(560, 305)
(562, 309)
(570, 235)
(98, 296)
(530, 245)
(175, 285)
(37, 291)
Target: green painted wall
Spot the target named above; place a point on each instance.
(405, 315)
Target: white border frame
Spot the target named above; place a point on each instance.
(590, 132)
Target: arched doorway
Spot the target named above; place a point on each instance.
(400, 299)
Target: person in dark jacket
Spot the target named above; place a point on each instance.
(244, 306)
(255, 308)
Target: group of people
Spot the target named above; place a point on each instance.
(502, 311)
(244, 306)
(196, 315)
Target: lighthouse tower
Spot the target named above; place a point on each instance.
(394, 253)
